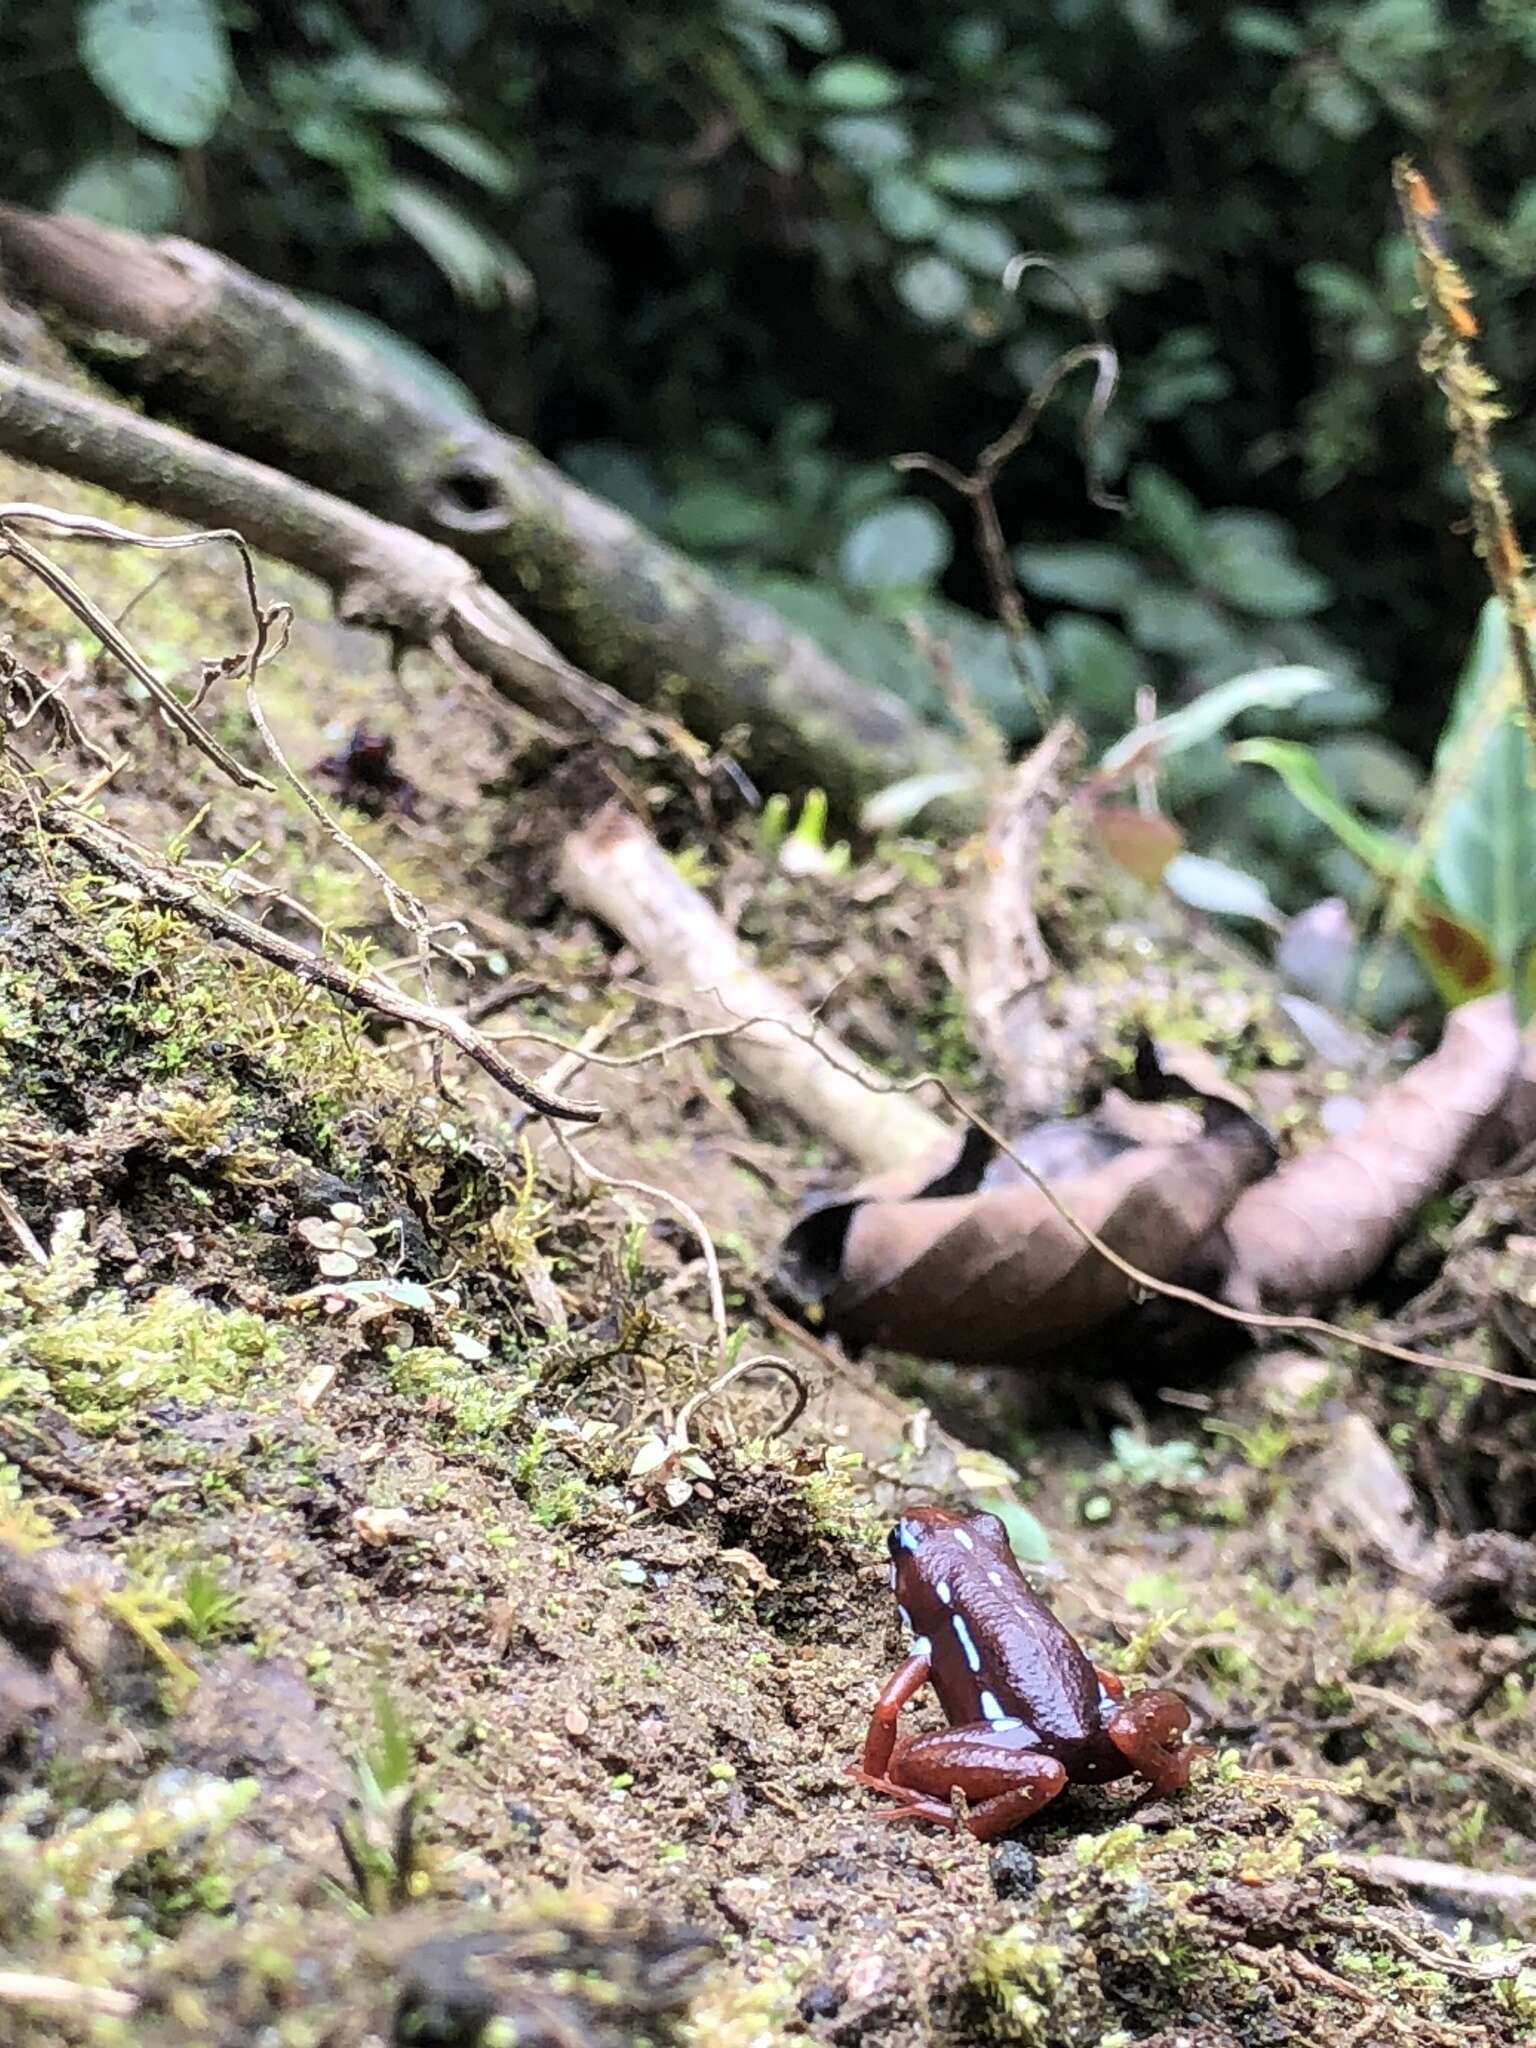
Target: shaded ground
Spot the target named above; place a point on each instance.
(269, 1566)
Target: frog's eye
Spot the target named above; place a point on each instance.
(902, 1541)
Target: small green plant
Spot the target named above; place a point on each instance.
(1137, 1463)
(379, 1833)
(211, 1608)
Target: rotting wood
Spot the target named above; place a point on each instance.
(248, 363)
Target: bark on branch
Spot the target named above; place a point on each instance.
(252, 367)
(380, 575)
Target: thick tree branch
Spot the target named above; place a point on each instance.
(248, 364)
(381, 575)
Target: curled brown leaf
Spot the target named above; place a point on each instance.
(1324, 1222)
(944, 1265)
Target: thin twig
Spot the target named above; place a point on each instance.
(690, 1216)
(978, 487)
(361, 991)
(21, 1230)
(73, 526)
(763, 1362)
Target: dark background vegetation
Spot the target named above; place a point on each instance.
(723, 259)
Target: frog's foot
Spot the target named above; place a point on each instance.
(910, 1804)
(1149, 1733)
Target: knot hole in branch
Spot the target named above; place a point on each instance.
(468, 498)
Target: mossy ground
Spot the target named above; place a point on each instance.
(370, 1696)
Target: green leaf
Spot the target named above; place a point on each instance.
(1220, 890)
(870, 142)
(814, 28)
(906, 209)
(855, 85)
(933, 289)
(1105, 579)
(364, 332)
(1248, 562)
(384, 85)
(975, 43)
(1264, 689)
(981, 245)
(1170, 516)
(1451, 947)
(1484, 861)
(141, 192)
(480, 268)
(463, 151)
(165, 64)
(1026, 1533)
(621, 475)
(1098, 669)
(900, 804)
(709, 516)
(1297, 768)
(1261, 28)
(900, 547)
(1171, 621)
(984, 174)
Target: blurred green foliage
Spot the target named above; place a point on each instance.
(724, 258)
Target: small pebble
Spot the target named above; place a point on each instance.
(820, 2002)
(1014, 1871)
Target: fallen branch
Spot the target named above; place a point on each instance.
(1442, 1880)
(614, 869)
(187, 899)
(247, 362)
(61, 1994)
(383, 576)
(1007, 964)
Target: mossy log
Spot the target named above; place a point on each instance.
(245, 362)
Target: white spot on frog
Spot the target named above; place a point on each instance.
(962, 1537)
(963, 1637)
(942, 1589)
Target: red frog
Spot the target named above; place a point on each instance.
(1028, 1712)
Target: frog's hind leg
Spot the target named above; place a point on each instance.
(1004, 1777)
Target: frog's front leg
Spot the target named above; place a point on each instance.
(1006, 1779)
(1148, 1731)
(902, 1686)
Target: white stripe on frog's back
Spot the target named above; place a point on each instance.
(967, 1645)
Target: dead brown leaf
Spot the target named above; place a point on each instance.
(943, 1265)
(1325, 1221)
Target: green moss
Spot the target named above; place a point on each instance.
(468, 1403)
(106, 1356)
